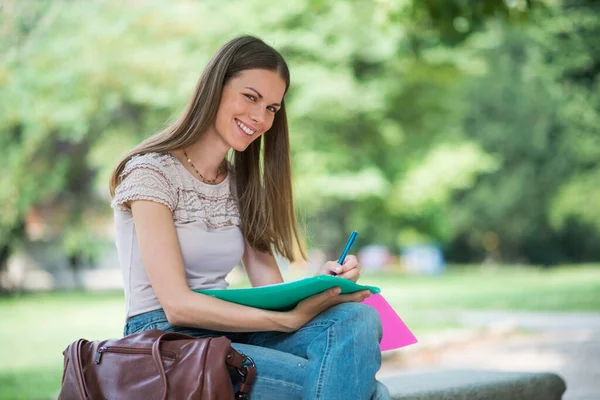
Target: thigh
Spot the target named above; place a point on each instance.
(279, 375)
(158, 320)
(354, 316)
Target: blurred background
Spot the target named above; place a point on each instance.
(460, 138)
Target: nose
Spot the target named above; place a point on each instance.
(258, 115)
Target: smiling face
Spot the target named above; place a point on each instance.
(248, 106)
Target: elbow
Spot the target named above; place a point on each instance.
(175, 315)
(173, 318)
(177, 309)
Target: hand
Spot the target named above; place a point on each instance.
(314, 305)
(349, 270)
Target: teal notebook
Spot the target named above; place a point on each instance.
(285, 296)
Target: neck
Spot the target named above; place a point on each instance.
(207, 154)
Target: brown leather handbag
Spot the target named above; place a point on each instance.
(155, 365)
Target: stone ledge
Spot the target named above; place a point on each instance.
(474, 385)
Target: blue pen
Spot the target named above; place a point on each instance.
(349, 245)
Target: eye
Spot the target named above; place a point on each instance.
(272, 109)
(251, 97)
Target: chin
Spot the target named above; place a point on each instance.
(241, 145)
(240, 148)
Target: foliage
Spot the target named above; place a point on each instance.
(430, 117)
(539, 115)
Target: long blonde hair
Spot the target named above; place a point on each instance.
(263, 173)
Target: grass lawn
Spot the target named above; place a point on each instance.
(38, 327)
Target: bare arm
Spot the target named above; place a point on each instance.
(161, 254)
(261, 267)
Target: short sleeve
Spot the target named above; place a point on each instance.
(144, 181)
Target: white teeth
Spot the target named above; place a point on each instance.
(244, 128)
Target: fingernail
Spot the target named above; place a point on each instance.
(338, 269)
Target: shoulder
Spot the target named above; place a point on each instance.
(149, 176)
(163, 163)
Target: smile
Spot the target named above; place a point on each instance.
(245, 128)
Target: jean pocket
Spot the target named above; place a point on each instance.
(144, 322)
(160, 325)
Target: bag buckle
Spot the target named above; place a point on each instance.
(247, 372)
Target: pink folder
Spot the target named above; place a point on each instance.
(395, 333)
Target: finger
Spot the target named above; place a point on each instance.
(360, 296)
(317, 300)
(356, 297)
(351, 262)
(335, 299)
(330, 294)
(352, 275)
(330, 268)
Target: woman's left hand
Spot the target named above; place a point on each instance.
(349, 270)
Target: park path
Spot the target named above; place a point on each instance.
(565, 343)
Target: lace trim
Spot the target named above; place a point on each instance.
(152, 161)
(144, 184)
(162, 178)
(216, 211)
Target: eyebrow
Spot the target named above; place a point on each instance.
(260, 95)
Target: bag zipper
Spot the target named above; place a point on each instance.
(130, 350)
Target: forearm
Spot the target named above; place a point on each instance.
(269, 276)
(261, 267)
(159, 246)
(206, 312)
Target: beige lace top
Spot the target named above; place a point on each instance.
(206, 219)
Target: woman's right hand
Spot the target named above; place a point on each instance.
(314, 305)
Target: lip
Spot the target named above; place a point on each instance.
(255, 129)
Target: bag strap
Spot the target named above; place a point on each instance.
(75, 355)
(239, 362)
(248, 373)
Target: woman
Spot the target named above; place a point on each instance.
(185, 217)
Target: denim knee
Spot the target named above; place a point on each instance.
(366, 316)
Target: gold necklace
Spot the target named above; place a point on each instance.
(209, 181)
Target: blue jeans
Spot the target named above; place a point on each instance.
(334, 356)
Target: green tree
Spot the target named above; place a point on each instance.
(539, 114)
(373, 95)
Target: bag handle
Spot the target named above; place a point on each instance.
(75, 354)
(158, 359)
(234, 360)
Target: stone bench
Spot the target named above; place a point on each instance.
(474, 385)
